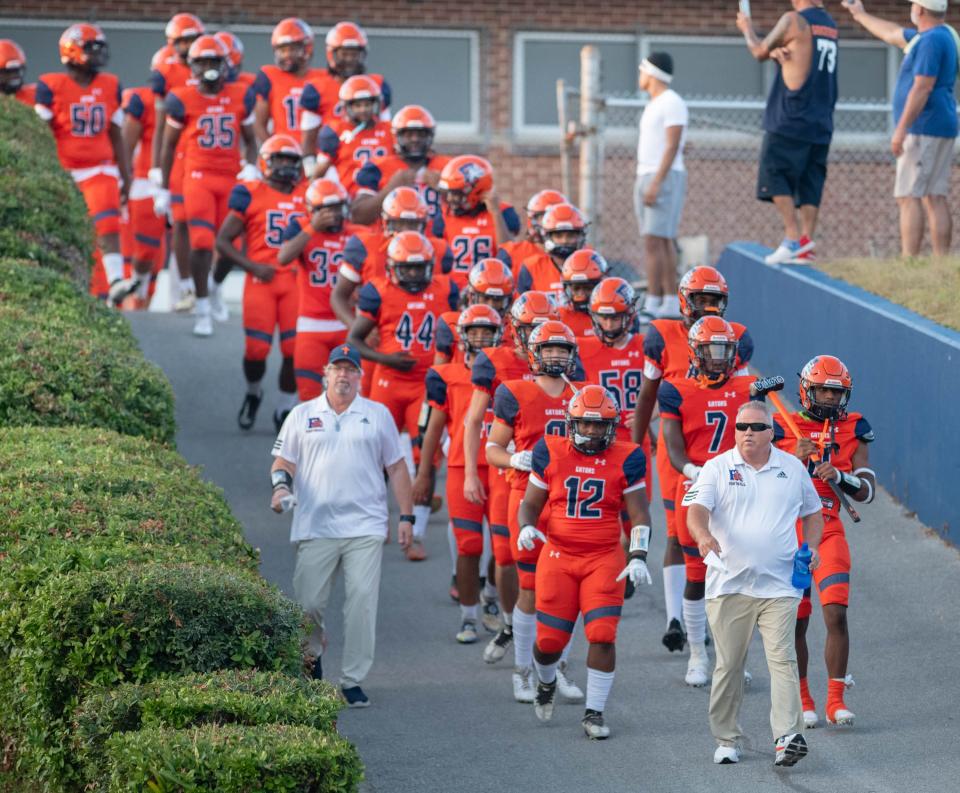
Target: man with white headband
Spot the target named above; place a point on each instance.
(661, 182)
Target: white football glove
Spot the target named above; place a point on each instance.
(155, 176)
(636, 570)
(249, 173)
(161, 203)
(691, 471)
(529, 535)
(522, 461)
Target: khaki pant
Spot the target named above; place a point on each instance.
(317, 564)
(732, 619)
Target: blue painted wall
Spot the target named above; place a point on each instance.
(906, 371)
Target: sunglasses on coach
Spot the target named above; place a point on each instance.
(756, 426)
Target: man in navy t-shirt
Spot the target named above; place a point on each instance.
(925, 114)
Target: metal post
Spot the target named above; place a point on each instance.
(591, 120)
(566, 141)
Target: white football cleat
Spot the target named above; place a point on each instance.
(841, 717)
(543, 704)
(218, 309)
(120, 289)
(203, 325)
(810, 719)
(468, 632)
(523, 690)
(569, 690)
(497, 647)
(594, 726)
(186, 302)
(697, 673)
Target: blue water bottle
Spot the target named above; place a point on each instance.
(801, 567)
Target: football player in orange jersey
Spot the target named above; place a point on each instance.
(491, 367)
(698, 412)
(279, 86)
(317, 245)
(413, 163)
(586, 479)
(835, 447)
(514, 252)
(352, 139)
(146, 229)
(82, 105)
(259, 212)
(322, 101)
(473, 221)
(582, 271)
(703, 291)
(213, 117)
(448, 393)
(13, 68)
(403, 306)
(235, 50)
(169, 69)
(564, 231)
(525, 411)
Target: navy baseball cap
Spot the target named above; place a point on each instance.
(345, 352)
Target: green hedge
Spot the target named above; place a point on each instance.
(225, 697)
(271, 758)
(134, 624)
(66, 361)
(42, 214)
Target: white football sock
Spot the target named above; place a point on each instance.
(598, 689)
(186, 285)
(203, 306)
(421, 518)
(113, 265)
(254, 388)
(547, 673)
(674, 580)
(143, 287)
(695, 620)
(652, 303)
(489, 590)
(452, 545)
(524, 635)
(508, 618)
(471, 613)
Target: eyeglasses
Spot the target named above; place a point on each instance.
(756, 426)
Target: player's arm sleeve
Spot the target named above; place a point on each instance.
(249, 101)
(328, 142)
(524, 280)
(445, 339)
(504, 256)
(287, 444)
(704, 490)
(354, 255)
(511, 219)
(158, 83)
(653, 346)
(541, 460)
(176, 112)
(505, 405)
(436, 389)
(745, 348)
(669, 400)
(310, 99)
(438, 226)
(482, 373)
(239, 200)
(454, 296)
(134, 106)
(386, 92)
(368, 301)
(43, 101)
(368, 178)
(292, 230)
(864, 431)
(634, 470)
(261, 85)
(446, 259)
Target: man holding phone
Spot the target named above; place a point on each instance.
(798, 120)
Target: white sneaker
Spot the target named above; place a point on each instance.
(218, 309)
(523, 690)
(468, 632)
(726, 755)
(697, 672)
(786, 252)
(497, 647)
(186, 302)
(203, 325)
(569, 690)
(810, 719)
(120, 289)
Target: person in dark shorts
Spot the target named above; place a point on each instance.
(798, 120)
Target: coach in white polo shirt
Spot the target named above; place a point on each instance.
(330, 455)
(744, 508)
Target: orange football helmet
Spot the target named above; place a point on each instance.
(530, 309)
(413, 128)
(322, 194)
(292, 43)
(703, 290)
(209, 60)
(564, 230)
(479, 316)
(280, 158)
(85, 46)
(552, 333)
(584, 267)
(592, 419)
(13, 62)
(712, 343)
(825, 371)
(358, 88)
(403, 209)
(538, 204)
(490, 283)
(346, 36)
(613, 297)
(183, 26)
(410, 258)
(234, 47)
(464, 181)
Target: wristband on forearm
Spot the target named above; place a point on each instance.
(281, 479)
(408, 519)
(849, 483)
(866, 482)
(639, 542)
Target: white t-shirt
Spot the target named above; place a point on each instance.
(340, 460)
(753, 515)
(667, 110)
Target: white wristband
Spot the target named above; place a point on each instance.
(639, 538)
(691, 471)
(309, 165)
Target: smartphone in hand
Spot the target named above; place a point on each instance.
(745, 7)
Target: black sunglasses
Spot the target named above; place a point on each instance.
(756, 426)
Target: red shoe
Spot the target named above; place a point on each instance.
(416, 552)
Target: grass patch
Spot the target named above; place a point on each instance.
(927, 286)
